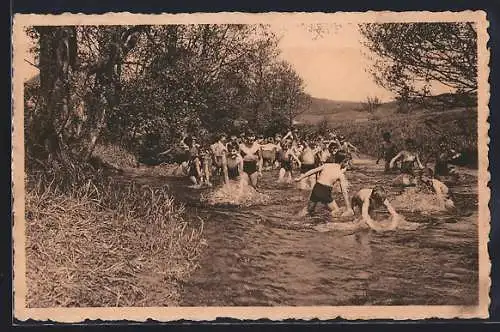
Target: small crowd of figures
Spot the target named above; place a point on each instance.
(321, 161)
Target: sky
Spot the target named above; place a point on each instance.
(333, 65)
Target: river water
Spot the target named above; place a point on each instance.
(263, 255)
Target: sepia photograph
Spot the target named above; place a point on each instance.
(196, 166)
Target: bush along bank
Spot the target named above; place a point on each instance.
(459, 129)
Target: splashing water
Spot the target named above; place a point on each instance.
(238, 194)
(414, 200)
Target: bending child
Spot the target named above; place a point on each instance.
(366, 200)
(437, 187)
(329, 174)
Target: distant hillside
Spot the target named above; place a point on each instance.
(341, 111)
(349, 111)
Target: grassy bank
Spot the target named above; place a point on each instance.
(459, 127)
(101, 242)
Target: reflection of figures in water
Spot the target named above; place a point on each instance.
(410, 161)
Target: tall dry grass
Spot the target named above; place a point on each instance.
(101, 242)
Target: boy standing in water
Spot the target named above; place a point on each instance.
(195, 170)
(234, 163)
(444, 156)
(287, 159)
(206, 165)
(345, 149)
(329, 174)
(387, 151)
(308, 162)
(219, 150)
(269, 152)
(252, 159)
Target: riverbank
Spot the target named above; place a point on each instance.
(107, 243)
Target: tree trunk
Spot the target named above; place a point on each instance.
(57, 45)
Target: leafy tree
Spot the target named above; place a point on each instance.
(370, 105)
(145, 87)
(409, 58)
(78, 88)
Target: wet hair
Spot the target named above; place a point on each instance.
(378, 195)
(340, 157)
(232, 146)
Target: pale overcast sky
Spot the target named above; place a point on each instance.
(332, 65)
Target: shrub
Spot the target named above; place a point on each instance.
(460, 128)
(115, 155)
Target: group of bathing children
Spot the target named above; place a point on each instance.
(409, 158)
(322, 163)
(244, 157)
(413, 173)
(331, 175)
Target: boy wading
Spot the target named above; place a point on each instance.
(329, 174)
